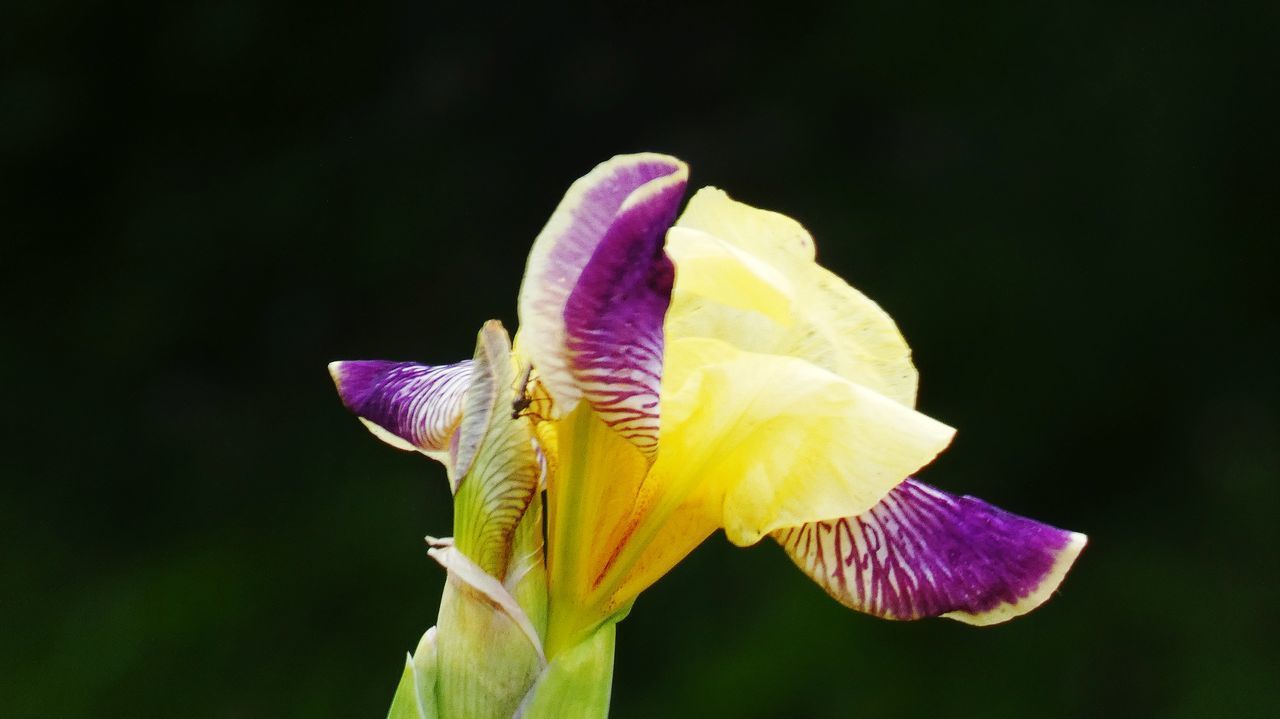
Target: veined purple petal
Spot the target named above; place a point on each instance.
(613, 319)
(596, 289)
(922, 552)
(408, 405)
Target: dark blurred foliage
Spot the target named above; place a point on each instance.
(1070, 208)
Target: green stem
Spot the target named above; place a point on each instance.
(569, 622)
(577, 683)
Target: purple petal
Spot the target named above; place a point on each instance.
(596, 290)
(922, 552)
(614, 317)
(408, 405)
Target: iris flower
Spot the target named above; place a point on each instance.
(678, 373)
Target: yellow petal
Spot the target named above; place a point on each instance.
(701, 316)
(707, 266)
(688, 525)
(590, 499)
(843, 331)
(822, 319)
(773, 237)
(776, 441)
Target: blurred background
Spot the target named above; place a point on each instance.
(1070, 208)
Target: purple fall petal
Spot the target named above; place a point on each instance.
(613, 319)
(410, 406)
(596, 290)
(922, 552)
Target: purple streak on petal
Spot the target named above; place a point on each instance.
(568, 243)
(614, 316)
(597, 212)
(419, 404)
(922, 552)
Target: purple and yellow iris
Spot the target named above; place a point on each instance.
(698, 371)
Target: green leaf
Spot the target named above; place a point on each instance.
(415, 696)
(527, 572)
(489, 651)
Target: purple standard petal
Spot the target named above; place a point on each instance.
(407, 405)
(597, 284)
(613, 319)
(922, 552)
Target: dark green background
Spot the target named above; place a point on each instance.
(1070, 209)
